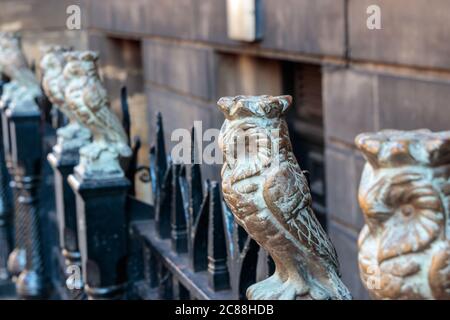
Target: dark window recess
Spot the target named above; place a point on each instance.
(305, 119)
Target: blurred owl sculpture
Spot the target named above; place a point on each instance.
(404, 248)
(73, 135)
(87, 98)
(23, 89)
(269, 196)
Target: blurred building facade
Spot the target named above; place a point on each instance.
(176, 58)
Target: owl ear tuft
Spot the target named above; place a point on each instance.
(70, 56)
(285, 103)
(225, 105)
(89, 56)
(277, 105)
(45, 49)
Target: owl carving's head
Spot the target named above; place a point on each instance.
(11, 55)
(53, 59)
(80, 64)
(395, 148)
(84, 93)
(268, 107)
(405, 189)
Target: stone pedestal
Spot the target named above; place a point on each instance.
(102, 234)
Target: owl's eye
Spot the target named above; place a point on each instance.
(407, 210)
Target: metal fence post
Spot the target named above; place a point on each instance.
(5, 217)
(102, 235)
(6, 211)
(18, 104)
(26, 150)
(99, 183)
(17, 259)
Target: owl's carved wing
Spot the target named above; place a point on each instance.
(286, 193)
(96, 99)
(439, 274)
(95, 95)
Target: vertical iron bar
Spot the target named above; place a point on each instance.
(219, 278)
(26, 151)
(178, 217)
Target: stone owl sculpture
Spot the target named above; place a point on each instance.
(23, 88)
(268, 194)
(404, 248)
(72, 136)
(87, 98)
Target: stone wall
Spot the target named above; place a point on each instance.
(397, 77)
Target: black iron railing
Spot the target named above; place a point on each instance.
(191, 246)
(185, 245)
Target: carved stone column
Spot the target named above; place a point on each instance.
(63, 159)
(404, 248)
(99, 181)
(268, 194)
(26, 151)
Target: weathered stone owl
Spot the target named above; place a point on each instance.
(11, 55)
(86, 96)
(269, 196)
(23, 88)
(73, 135)
(404, 248)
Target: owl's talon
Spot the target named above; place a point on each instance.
(293, 288)
(273, 288)
(268, 289)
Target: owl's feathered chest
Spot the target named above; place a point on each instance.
(53, 87)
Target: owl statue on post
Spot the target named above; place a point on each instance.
(74, 135)
(108, 153)
(404, 248)
(269, 196)
(23, 88)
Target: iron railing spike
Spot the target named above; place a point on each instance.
(126, 121)
(161, 158)
(199, 235)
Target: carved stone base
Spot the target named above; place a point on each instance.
(100, 161)
(69, 141)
